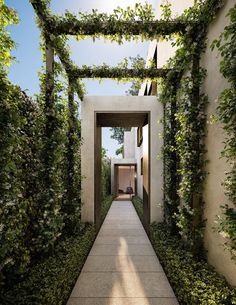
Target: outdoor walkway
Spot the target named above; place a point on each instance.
(122, 267)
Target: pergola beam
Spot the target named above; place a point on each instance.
(119, 73)
(72, 26)
(147, 29)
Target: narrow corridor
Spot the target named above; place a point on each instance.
(122, 267)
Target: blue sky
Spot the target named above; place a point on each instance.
(27, 36)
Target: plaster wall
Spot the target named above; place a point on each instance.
(129, 144)
(217, 167)
(117, 104)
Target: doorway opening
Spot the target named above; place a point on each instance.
(125, 181)
(125, 173)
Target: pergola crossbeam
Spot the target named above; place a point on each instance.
(119, 73)
(147, 29)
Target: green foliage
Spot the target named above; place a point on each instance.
(51, 280)
(184, 126)
(105, 206)
(39, 171)
(168, 96)
(227, 110)
(190, 147)
(19, 170)
(106, 175)
(138, 204)
(194, 281)
(121, 24)
(34, 212)
(120, 151)
(8, 16)
(71, 206)
(118, 134)
(166, 10)
(136, 62)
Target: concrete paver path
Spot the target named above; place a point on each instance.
(122, 267)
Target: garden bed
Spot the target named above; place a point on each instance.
(194, 281)
(51, 280)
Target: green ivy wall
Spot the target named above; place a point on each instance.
(214, 192)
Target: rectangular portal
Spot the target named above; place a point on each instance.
(126, 111)
(125, 179)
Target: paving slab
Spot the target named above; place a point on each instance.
(122, 267)
(135, 263)
(122, 301)
(122, 232)
(125, 284)
(114, 240)
(123, 249)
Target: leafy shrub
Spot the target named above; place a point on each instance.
(194, 281)
(50, 281)
(138, 205)
(19, 166)
(105, 175)
(106, 203)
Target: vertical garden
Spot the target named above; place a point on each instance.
(40, 165)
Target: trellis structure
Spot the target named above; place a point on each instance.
(55, 29)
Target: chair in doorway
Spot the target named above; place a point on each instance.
(129, 191)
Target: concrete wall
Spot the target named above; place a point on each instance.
(127, 104)
(129, 144)
(214, 192)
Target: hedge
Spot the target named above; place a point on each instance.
(138, 205)
(106, 204)
(51, 281)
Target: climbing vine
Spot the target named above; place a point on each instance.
(227, 115)
(168, 89)
(184, 125)
(132, 23)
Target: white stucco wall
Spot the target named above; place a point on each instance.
(129, 144)
(217, 167)
(129, 104)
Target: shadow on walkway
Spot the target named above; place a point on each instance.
(122, 267)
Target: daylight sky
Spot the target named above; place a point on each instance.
(26, 34)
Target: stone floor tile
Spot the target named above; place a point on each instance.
(122, 284)
(122, 267)
(122, 232)
(122, 249)
(114, 240)
(122, 264)
(122, 301)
